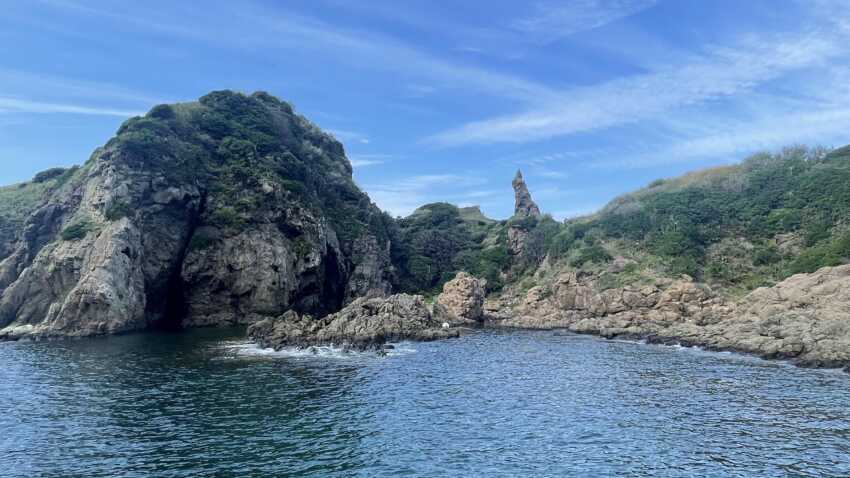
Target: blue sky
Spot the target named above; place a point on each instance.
(444, 100)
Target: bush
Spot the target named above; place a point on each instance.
(117, 210)
(163, 112)
(593, 254)
(200, 242)
(49, 174)
(226, 217)
(765, 256)
(76, 231)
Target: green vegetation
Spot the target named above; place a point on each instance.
(437, 240)
(719, 225)
(252, 154)
(76, 231)
(118, 210)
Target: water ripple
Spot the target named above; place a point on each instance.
(493, 404)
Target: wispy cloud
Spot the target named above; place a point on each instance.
(717, 73)
(551, 21)
(365, 160)
(13, 105)
(349, 136)
(250, 25)
(735, 139)
(401, 197)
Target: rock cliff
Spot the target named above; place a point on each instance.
(222, 211)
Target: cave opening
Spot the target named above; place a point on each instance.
(173, 299)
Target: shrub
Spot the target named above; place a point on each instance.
(226, 217)
(164, 112)
(594, 254)
(117, 210)
(765, 256)
(49, 174)
(76, 231)
(200, 241)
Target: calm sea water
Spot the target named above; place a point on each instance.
(492, 404)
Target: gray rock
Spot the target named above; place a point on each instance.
(365, 324)
(524, 205)
(462, 300)
(805, 318)
(156, 243)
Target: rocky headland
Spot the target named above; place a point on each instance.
(235, 210)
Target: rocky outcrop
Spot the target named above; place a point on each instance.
(462, 300)
(805, 318)
(524, 206)
(365, 324)
(224, 211)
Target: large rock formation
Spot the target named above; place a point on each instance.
(805, 318)
(227, 210)
(525, 216)
(524, 205)
(365, 324)
(462, 300)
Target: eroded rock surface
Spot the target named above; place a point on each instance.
(805, 318)
(524, 205)
(365, 324)
(224, 211)
(462, 300)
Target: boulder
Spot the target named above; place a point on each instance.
(365, 324)
(462, 300)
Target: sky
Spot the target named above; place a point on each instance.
(439, 100)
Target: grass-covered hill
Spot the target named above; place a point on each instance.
(740, 226)
(737, 227)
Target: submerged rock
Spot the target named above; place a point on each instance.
(365, 324)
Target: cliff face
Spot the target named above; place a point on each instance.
(223, 211)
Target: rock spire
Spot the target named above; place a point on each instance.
(525, 206)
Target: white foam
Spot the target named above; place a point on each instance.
(401, 349)
(249, 349)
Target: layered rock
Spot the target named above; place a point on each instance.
(462, 300)
(224, 211)
(365, 324)
(805, 318)
(524, 205)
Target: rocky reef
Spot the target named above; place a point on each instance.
(803, 318)
(365, 324)
(223, 211)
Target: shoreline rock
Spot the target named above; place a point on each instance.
(804, 319)
(365, 324)
(462, 300)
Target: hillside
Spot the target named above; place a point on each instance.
(220, 211)
(737, 227)
(234, 208)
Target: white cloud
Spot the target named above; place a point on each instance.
(735, 139)
(578, 211)
(349, 136)
(249, 26)
(552, 21)
(13, 105)
(718, 72)
(401, 197)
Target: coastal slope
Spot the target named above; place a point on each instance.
(222, 211)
